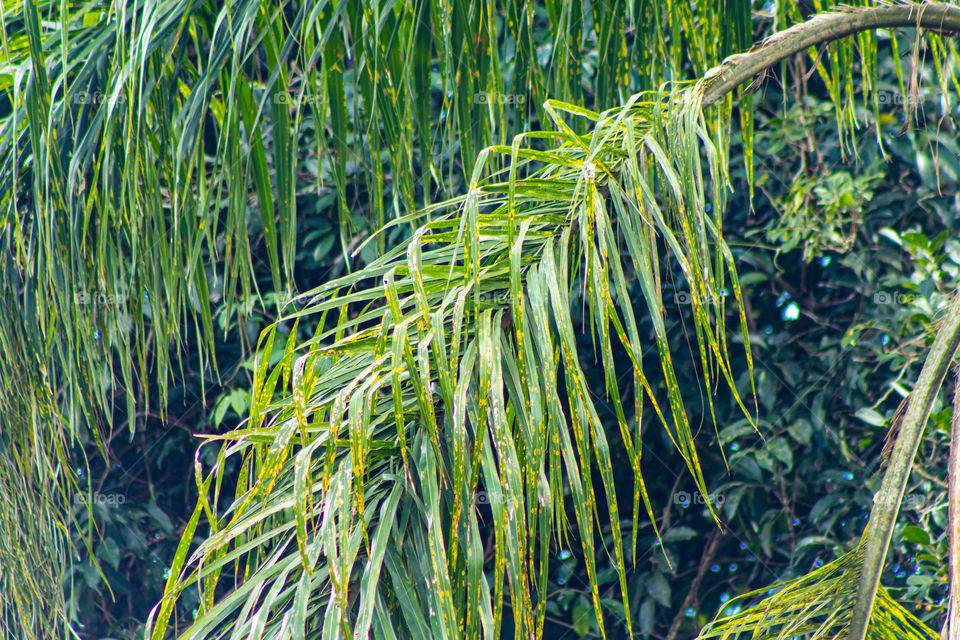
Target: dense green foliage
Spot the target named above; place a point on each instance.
(845, 260)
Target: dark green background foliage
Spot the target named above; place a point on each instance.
(845, 261)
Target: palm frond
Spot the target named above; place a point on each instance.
(440, 379)
(146, 148)
(818, 605)
(136, 134)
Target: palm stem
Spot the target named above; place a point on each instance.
(951, 627)
(822, 29)
(886, 503)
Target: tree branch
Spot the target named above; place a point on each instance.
(821, 29)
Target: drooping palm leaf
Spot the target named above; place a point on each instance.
(443, 377)
(147, 147)
(79, 176)
(136, 133)
(469, 405)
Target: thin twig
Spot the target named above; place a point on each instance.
(691, 599)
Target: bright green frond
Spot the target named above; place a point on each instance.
(816, 606)
(460, 381)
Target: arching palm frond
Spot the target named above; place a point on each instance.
(454, 368)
